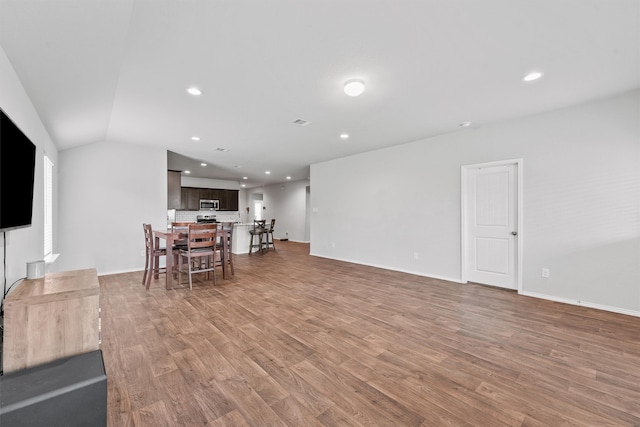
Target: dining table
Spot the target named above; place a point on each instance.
(170, 236)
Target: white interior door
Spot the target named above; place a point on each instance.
(491, 225)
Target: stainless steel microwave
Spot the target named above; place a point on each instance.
(209, 205)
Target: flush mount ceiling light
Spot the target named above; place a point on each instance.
(533, 76)
(192, 90)
(301, 122)
(354, 87)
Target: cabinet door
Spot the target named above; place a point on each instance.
(174, 192)
(228, 200)
(222, 196)
(206, 194)
(190, 199)
(215, 195)
(232, 200)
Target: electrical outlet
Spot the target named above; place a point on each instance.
(416, 255)
(545, 273)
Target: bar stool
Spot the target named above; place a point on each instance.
(269, 232)
(257, 231)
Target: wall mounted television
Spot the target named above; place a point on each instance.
(17, 169)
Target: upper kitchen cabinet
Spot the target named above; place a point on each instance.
(174, 191)
(207, 194)
(229, 200)
(190, 199)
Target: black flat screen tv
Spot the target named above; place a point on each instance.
(17, 169)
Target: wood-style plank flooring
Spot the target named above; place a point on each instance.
(296, 340)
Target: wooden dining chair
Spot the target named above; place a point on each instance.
(152, 256)
(257, 231)
(201, 253)
(182, 226)
(228, 235)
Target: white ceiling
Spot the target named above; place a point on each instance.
(117, 70)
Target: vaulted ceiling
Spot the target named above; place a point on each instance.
(118, 70)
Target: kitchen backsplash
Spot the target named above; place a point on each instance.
(226, 216)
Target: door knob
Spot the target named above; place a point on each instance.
(514, 233)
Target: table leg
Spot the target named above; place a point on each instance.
(223, 255)
(169, 264)
(155, 263)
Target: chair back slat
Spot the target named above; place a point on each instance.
(182, 227)
(202, 236)
(148, 236)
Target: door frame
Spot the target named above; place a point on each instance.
(519, 206)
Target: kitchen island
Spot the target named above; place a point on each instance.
(241, 238)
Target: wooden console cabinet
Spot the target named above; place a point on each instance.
(46, 319)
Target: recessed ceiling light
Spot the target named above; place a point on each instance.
(344, 136)
(187, 172)
(267, 172)
(195, 138)
(203, 164)
(245, 177)
(465, 124)
(243, 185)
(237, 166)
(224, 150)
(354, 87)
(194, 91)
(533, 76)
(288, 177)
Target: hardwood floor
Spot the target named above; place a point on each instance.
(295, 340)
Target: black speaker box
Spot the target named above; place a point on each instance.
(66, 392)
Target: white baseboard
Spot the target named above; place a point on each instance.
(415, 273)
(582, 303)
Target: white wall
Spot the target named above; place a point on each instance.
(188, 181)
(107, 191)
(26, 244)
(286, 202)
(581, 202)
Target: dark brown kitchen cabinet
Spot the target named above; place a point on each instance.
(190, 198)
(230, 200)
(174, 191)
(206, 193)
(215, 194)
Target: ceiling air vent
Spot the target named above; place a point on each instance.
(301, 122)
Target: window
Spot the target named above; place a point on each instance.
(48, 207)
